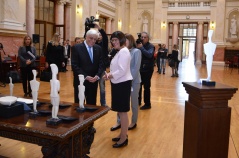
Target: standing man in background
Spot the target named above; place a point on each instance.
(146, 69)
(103, 43)
(67, 53)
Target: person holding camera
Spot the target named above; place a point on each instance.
(146, 68)
(103, 43)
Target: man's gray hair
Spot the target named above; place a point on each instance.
(92, 32)
(146, 34)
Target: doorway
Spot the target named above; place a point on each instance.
(187, 41)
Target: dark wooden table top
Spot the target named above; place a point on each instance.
(37, 126)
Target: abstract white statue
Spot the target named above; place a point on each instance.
(81, 89)
(145, 24)
(11, 85)
(55, 87)
(209, 49)
(35, 87)
(233, 28)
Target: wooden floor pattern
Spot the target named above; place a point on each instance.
(159, 133)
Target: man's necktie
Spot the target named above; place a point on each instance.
(90, 53)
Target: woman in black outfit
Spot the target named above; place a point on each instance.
(174, 57)
(27, 56)
(55, 52)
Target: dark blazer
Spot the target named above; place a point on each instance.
(23, 55)
(81, 64)
(55, 54)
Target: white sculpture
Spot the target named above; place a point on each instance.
(209, 49)
(55, 87)
(145, 24)
(35, 87)
(233, 28)
(81, 89)
(11, 85)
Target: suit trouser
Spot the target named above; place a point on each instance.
(90, 92)
(158, 63)
(102, 90)
(162, 63)
(65, 61)
(146, 82)
(27, 76)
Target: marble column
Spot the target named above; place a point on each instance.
(123, 21)
(175, 33)
(220, 21)
(67, 21)
(59, 16)
(30, 17)
(113, 26)
(158, 17)
(108, 26)
(133, 19)
(199, 46)
(9, 15)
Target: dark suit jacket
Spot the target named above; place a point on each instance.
(81, 64)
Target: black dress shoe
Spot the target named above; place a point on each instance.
(133, 127)
(116, 145)
(115, 139)
(145, 107)
(115, 128)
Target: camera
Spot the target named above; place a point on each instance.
(89, 23)
(139, 40)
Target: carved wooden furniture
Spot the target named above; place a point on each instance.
(69, 139)
(207, 120)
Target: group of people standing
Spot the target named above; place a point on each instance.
(130, 71)
(56, 53)
(163, 56)
(131, 68)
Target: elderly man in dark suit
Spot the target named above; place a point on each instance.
(86, 59)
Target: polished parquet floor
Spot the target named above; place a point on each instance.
(159, 133)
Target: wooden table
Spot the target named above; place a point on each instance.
(69, 139)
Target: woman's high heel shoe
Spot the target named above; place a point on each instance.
(116, 145)
(116, 139)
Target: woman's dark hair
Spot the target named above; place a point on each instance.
(120, 36)
(1, 46)
(131, 39)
